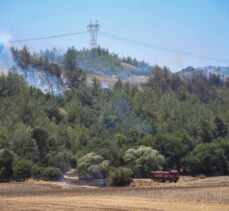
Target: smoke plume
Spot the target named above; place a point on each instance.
(6, 60)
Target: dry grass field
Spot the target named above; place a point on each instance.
(187, 195)
(110, 81)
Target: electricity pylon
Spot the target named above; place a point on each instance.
(93, 29)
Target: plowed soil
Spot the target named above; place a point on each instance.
(189, 194)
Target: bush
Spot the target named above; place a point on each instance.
(120, 176)
(143, 160)
(52, 173)
(22, 169)
(92, 166)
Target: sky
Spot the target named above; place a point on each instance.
(200, 27)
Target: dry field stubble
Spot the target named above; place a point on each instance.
(187, 195)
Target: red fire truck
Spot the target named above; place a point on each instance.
(163, 176)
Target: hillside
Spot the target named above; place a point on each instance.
(48, 69)
(100, 61)
(172, 122)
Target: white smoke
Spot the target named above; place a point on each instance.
(6, 60)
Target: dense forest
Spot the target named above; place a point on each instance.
(171, 123)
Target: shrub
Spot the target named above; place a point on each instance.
(143, 160)
(92, 166)
(22, 169)
(52, 173)
(120, 176)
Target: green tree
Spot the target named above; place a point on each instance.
(221, 129)
(70, 59)
(41, 136)
(23, 145)
(22, 57)
(52, 173)
(54, 114)
(118, 85)
(37, 172)
(22, 169)
(224, 143)
(74, 75)
(92, 166)
(143, 160)
(6, 164)
(207, 158)
(205, 131)
(174, 147)
(75, 78)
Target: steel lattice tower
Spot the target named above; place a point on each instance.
(93, 29)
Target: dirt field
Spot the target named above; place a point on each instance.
(189, 194)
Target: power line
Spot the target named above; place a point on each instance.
(48, 37)
(161, 48)
(129, 40)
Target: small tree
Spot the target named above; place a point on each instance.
(70, 59)
(92, 166)
(120, 176)
(75, 78)
(205, 131)
(41, 136)
(143, 160)
(23, 145)
(73, 74)
(221, 129)
(22, 169)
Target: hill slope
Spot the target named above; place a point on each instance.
(223, 72)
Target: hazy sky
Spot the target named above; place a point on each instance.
(200, 27)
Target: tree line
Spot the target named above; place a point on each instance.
(171, 123)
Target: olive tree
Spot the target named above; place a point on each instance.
(92, 166)
(143, 160)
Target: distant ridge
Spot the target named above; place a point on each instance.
(223, 72)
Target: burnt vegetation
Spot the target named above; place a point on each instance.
(172, 122)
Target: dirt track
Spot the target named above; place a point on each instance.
(208, 194)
